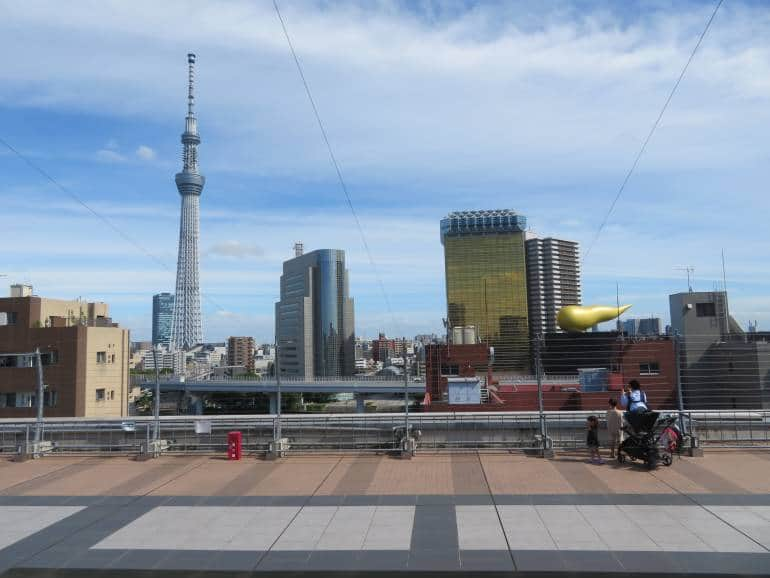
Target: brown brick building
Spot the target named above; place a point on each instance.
(240, 353)
(85, 358)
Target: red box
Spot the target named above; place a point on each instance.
(234, 445)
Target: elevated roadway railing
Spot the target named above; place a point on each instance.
(234, 384)
(363, 432)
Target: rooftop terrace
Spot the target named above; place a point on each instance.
(463, 512)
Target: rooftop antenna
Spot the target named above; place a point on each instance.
(724, 288)
(299, 249)
(690, 275)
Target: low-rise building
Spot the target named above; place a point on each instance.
(85, 358)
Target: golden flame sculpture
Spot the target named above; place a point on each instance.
(580, 318)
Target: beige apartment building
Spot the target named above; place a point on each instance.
(85, 357)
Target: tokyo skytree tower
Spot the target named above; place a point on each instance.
(186, 329)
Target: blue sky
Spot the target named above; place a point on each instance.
(430, 107)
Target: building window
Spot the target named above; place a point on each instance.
(50, 357)
(649, 368)
(8, 318)
(50, 398)
(705, 309)
(101, 357)
(101, 395)
(24, 399)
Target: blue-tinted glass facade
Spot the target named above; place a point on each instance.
(162, 318)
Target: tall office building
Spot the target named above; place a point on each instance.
(314, 318)
(186, 328)
(553, 281)
(486, 281)
(162, 317)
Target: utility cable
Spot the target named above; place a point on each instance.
(652, 131)
(334, 162)
(125, 236)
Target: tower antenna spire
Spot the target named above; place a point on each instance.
(191, 84)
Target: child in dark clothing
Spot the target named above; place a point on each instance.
(592, 439)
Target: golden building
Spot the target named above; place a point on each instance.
(85, 358)
(486, 281)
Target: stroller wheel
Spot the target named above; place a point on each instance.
(667, 459)
(652, 462)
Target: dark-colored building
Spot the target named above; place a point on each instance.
(721, 366)
(162, 318)
(442, 361)
(383, 348)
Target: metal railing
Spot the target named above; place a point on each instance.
(365, 432)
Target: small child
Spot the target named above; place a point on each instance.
(592, 439)
(614, 419)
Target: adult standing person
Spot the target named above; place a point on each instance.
(634, 399)
(614, 419)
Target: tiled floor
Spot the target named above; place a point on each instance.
(461, 512)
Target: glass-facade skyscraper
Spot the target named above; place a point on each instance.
(162, 318)
(486, 281)
(314, 323)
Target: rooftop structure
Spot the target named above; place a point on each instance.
(477, 513)
(482, 222)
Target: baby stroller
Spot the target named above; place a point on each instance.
(650, 438)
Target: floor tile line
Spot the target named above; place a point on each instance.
(300, 509)
(497, 511)
(195, 465)
(706, 508)
(10, 489)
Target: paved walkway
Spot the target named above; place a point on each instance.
(471, 512)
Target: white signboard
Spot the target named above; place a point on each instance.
(202, 426)
(464, 390)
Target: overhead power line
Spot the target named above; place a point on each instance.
(125, 236)
(652, 131)
(334, 162)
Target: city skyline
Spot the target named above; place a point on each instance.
(274, 185)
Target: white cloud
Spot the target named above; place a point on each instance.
(540, 108)
(235, 249)
(145, 153)
(110, 156)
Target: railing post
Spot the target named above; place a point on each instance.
(40, 388)
(156, 396)
(545, 449)
(278, 446)
(679, 397)
(409, 444)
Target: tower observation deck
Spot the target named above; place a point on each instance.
(186, 328)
